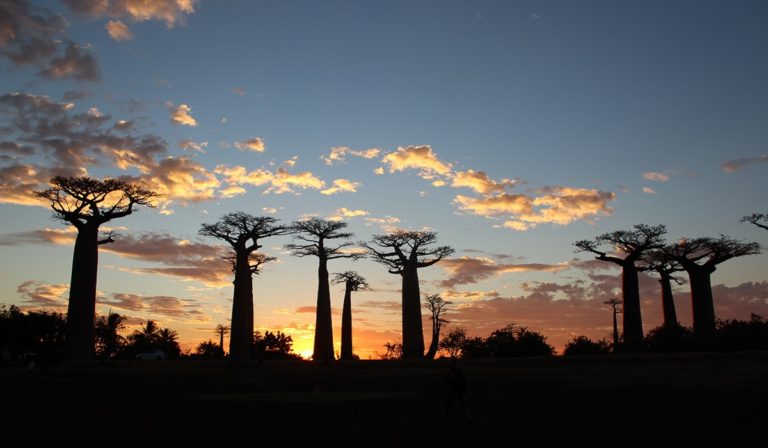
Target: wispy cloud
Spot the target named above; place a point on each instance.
(341, 185)
(344, 213)
(42, 294)
(339, 154)
(254, 144)
(181, 114)
(655, 176)
(421, 158)
(732, 166)
(172, 12)
(118, 30)
(469, 270)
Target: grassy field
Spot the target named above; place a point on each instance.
(717, 400)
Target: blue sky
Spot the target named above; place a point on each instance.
(598, 115)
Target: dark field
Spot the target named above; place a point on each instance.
(648, 401)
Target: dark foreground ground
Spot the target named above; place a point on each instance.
(646, 401)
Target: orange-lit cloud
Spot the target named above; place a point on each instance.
(338, 154)
(190, 145)
(421, 158)
(387, 223)
(172, 12)
(174, 307)
(180, 179)
(344, 213)
(649, 190)
(42, 294)
(280, 181)
(118, 30)
(181, 114)
(654, 176)
(65, 236)
(478, 181)
(734, 165)
(340, 185)
(254, 144)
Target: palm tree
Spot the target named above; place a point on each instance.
(144, 338)
(108, 341)
(168, 341)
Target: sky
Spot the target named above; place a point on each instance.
(512, 129)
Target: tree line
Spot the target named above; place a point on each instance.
(88, 203)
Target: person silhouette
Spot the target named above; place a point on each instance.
(456, 390)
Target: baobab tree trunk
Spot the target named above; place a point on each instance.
(241, 333)
(413, 336)
(667, 300)
(703, 307)
(633, 322)
(323, 350)
(432, 351)
(346, 325)
(81, 309)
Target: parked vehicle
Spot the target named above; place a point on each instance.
(152, 355)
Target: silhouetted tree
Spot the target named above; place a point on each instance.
(632, 244)
(404, 253)
(700, 257)
(352, 282)
(755, 219)
(582, 345)
(454, 342)
(660, 262)
(274, 345)
(517, 341)
(394, 350)
(437, 308)
(243, 232)
(614, 303)
(86, 204)
(669, 338)
(208, 350)
(39, 332)
(143, 339)
(168, 341)
(314, 235)
(221, 330)
(109, 343)
(743, 335)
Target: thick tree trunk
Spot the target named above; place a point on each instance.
(346, 326)
(241, 333)
(413, 336)
(703, 307)
(633, 322)
(81, 310)
(433, 345)
(323, 350)
(667, 300)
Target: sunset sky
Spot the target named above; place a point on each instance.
(512, 129)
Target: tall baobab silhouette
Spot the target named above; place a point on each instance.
(221, 330)
(352, 282)
(755, 219)
(614, 303)
(632, 244)
(700, 257)
(86, 204)
(312, 236)
(664, 265)
(437, 307)
(243, 233)
(404, 253)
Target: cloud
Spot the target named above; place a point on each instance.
(181, 115)
(556, 205)
(344, 213)
(387, 223)
(732, 166)
(469, 270)
(172, 12)
(49, 296)
(65, 236)
(190, 145)
(340, 185)
(649, 190)
(477, 181)
(238, 91)
(75, 63)
(338, 154)
(656, 177)
(281, 181)
(155, 305)
(305, 309)
(254, 144)
(118, 30)
(179, 179)
(416, 157)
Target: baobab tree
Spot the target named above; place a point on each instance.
(86, 204)
(700, 257)
(613, 304)
(404, 253)
(665, 266)
(437, 307)
(243, 233)
(312, 237)
(755, 219)
(352, 282)
(632, 244)
(221, 330)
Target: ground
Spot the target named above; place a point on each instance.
(701, 400)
